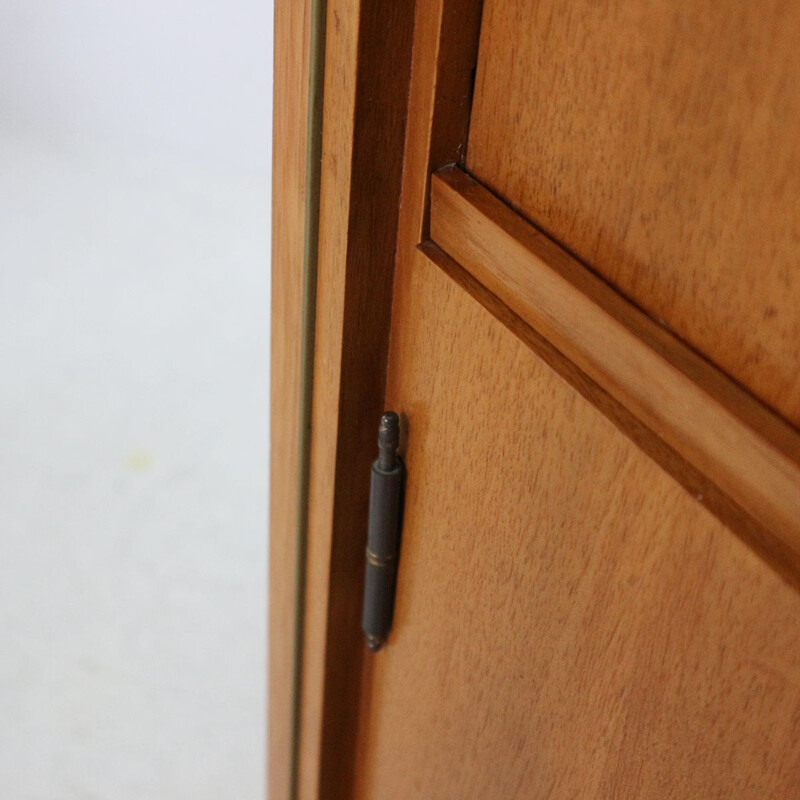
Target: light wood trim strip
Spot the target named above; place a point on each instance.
(745, 450)
(292, 176)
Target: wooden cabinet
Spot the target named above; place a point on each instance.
(563, 242)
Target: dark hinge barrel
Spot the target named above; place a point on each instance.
(383, 535)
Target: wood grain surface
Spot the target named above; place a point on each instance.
(569, 621)
(722, 431)
(367, 64)
(658, 142)
(445, 49)
(288, 221)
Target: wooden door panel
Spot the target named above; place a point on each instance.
(600, 561)
(570, 622)
(658, 142)
(747, 453)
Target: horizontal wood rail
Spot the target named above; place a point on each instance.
(721, 432)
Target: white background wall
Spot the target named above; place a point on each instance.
(134, 357)
(180, 76)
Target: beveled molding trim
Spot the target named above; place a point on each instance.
(737, 456)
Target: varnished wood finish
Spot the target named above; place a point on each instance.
(569, 621)
(288, 222)
(367, 67)
(658, 142)
(743, 448)
(774, 551)
(445, 52)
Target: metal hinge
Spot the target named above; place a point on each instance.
(383, 534)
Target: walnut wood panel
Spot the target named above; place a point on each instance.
(569, 621)
(288, 223)
(658, 142)
(742, 447)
